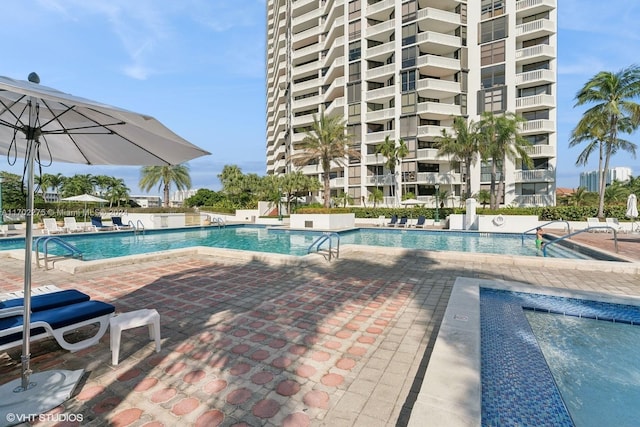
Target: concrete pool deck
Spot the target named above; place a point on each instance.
(254, 341)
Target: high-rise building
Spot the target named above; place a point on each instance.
(404, 69)
(590, 181)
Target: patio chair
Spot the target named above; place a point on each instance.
(117, 222)
(594, 222)
(71, 224)
(403, 222)
(420, 223)
(382, 220)
(613, 223)
(97, 224)
(55, 316)
(394, 220)
(51, 227)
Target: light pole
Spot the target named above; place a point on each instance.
(437, 218)
(1, 210)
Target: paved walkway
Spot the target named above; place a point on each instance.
(251, 343)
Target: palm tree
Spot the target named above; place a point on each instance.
(483, 197)
(394, 154)
(326, 142)
(376, 196)
(232, 179)
(115, 190)
(613, 112)
(164, 176)
(500, 140)
(463, 147)
(78, 184)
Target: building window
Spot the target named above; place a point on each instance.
(542, 65)
(533, 91)
(536, 42)
(409, 10)
(496, 29)
(409, 34)
(542, 139)
(354, 30)
(354, 91)
(409, 80)
(534, 188)
(408, 127)
(354, 71)
(354, 9)
(408, 103)
(354, 50)
(492, 53)
(491, 8)
(493, 100)
(409, 55)
(492, 76)
(354, 113)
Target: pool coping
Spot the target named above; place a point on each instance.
(451, 390)
(74, 266)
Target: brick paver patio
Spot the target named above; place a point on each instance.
(249, 343)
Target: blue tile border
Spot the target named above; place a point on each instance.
(518, 388)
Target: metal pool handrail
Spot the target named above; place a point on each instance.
(615, 237)
(550, 222)
(44, 240)
(324, 238)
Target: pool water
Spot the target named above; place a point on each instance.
(594, 364)
(274, 240)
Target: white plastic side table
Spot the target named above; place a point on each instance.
(130, 320)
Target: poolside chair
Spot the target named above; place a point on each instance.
(613, 223)
(71, 224)
(117, 222)
(51, 227)
(594, 222)
(54, 315)
(394, 220)
(97, 224)
(382, 220)
(420, 223)
(403, 222)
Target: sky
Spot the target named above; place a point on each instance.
(198, 66)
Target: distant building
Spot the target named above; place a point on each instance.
(178, 197)
(51, 196)
(591, 182)
(147, 201)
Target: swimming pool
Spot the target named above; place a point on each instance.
(290, 242)
(549, 360)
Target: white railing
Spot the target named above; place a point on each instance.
(534, 175)
(541, 25)
(535, 101)
(535, 76)
(536, 51)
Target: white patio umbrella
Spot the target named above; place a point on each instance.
(41, 124)
(86, 198)
(632, 209)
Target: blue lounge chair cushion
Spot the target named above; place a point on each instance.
(48, 301)
(57, 317)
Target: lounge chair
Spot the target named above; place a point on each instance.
(382, 220)
(420, 223)
(55, 315)
(403, 222)
(595, 222)
(394, 220)
(97, 224)
(71, 225)
(117, 222)
(613, 223)
(51, 227)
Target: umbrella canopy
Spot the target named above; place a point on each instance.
(632, 206)
(42, 124)
(87, 198)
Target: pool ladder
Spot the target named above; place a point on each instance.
(326, 237)
(72, 251)
(218, 221)
(138, 227)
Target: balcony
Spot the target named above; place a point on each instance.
(306, 68)
(539, 53)
(437, 43)
(307, 119)
(379, 180)
(384, 114)
(438, 66)
(378, 72)
(306, 103)
(434, 88)
(533, 7)
(374, 159)
(311, 33)
(381, 31)
(336, 182)
(535, 78)
(438, 20)
(337, 105)
(382, 94)
(335, 89)
(297, 88)
(536, 102)
(533, 127)
(439, 110)
(430, 131)
(541, 151)
(534, 200)
(376, 137)
(382, 50)
(438, 178)
(311, 51)
(303, 19)
(542, 175)
(336, 70)
(380, 10)
(427, 154)
(535, 29)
